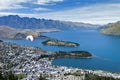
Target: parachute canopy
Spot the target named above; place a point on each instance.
(30, 37)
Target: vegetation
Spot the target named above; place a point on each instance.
(96, 77)
(71, 54)
(42, 77)
(90, 76)
(112, 29)
(21, 76)
(55, 42)
(8, 76)
(77, 73)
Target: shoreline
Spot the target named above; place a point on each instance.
(13, 33)
(33, 65)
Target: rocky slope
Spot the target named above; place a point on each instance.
(112, 29)
(8, 32)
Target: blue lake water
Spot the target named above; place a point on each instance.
(105, 49)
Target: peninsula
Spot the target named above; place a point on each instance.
(14, 33)
(71, 54)
(112, 29)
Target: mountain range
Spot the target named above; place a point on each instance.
(16, 27)
(13, 26)
(16, 21)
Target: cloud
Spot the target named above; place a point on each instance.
(95, 14)
(16, 4)
(46, 2)
(11, 4)
(41, 9)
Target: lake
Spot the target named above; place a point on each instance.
(105, 49)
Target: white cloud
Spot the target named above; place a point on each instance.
(11, 4)
(42, 9)
(95, 14)
(44, 2)
(16, 4)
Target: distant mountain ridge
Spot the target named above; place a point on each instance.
(112, 29)
(32, 23)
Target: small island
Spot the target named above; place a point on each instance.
(55, 42)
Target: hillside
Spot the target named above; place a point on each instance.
(8, 32)
(56, 42)
(112, 29)
(32, 23)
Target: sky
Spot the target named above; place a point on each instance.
(87, 11)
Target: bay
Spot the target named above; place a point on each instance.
(105, 49)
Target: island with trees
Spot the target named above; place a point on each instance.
(56, 42)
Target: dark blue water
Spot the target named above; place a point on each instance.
(106, 49)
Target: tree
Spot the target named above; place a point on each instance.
(42, 77)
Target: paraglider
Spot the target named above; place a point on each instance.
(30, 37)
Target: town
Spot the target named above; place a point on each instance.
(27, 60)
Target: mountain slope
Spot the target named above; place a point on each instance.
(32, 23)
(8, 32)
(112, 29)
